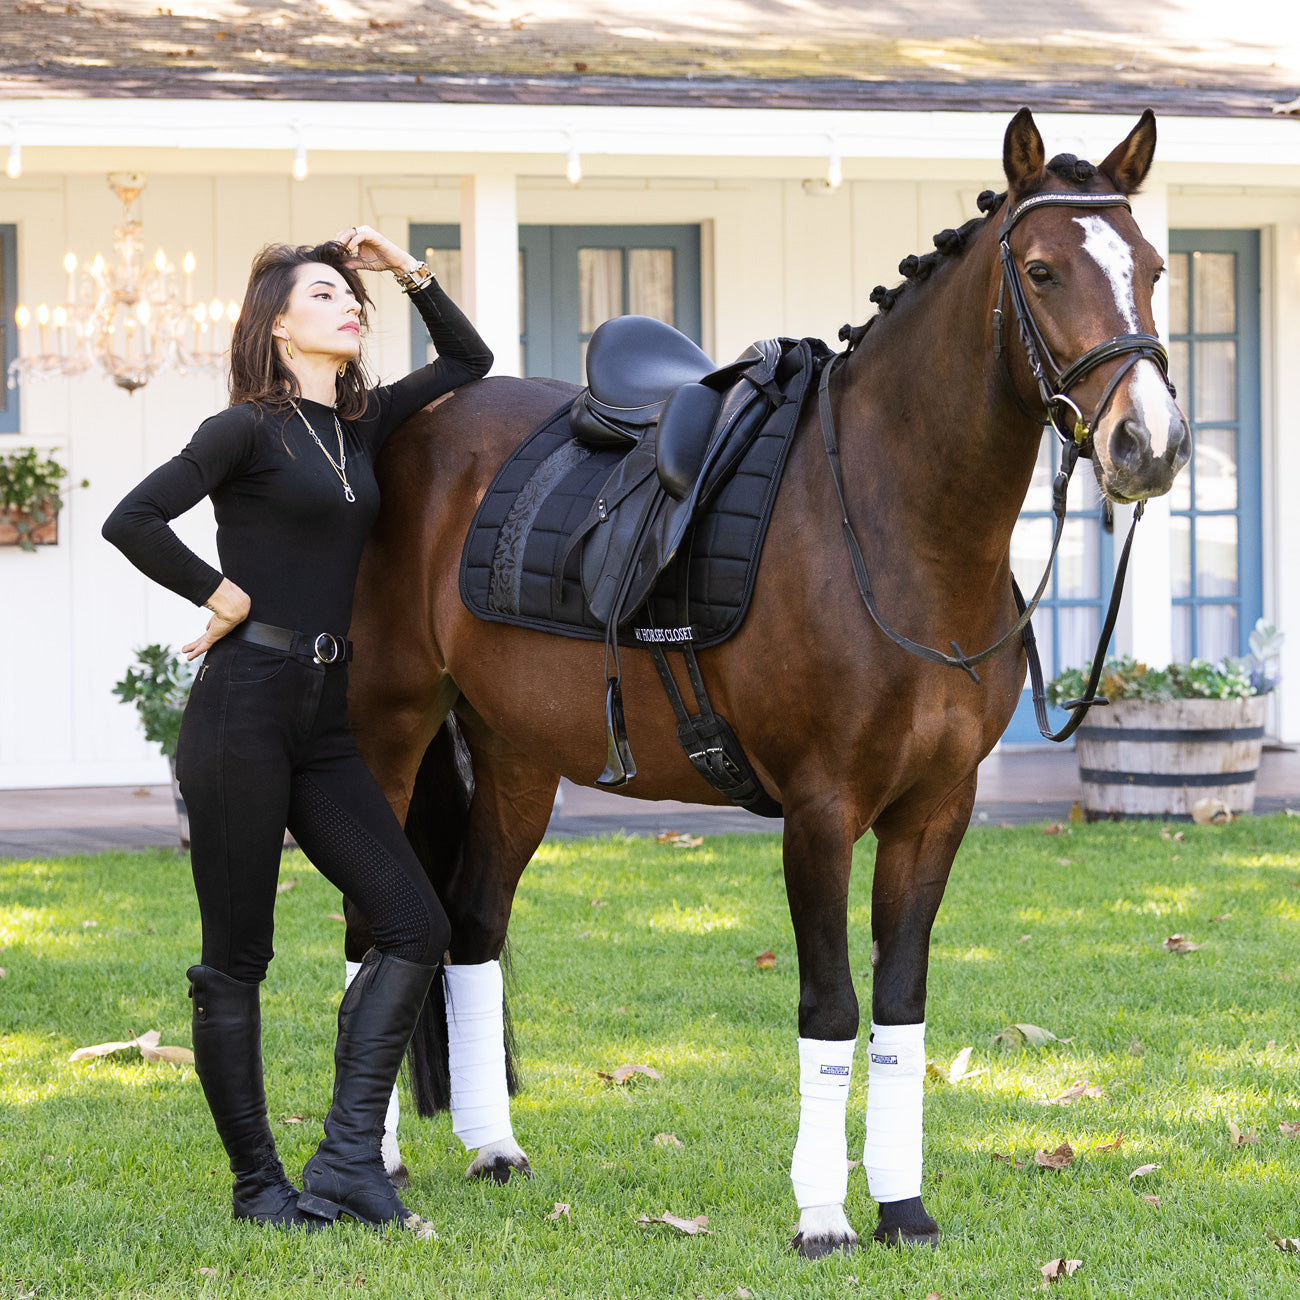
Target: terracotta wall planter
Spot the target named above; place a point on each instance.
(46, 534)
(1156, 759)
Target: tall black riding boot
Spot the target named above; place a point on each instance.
(376, 1019)
(227, 1027)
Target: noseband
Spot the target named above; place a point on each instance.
(1054, 384)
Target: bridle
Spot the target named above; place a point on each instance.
(1054, 384)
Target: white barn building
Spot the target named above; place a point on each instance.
(743, 169)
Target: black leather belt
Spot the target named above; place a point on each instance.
(320, 648)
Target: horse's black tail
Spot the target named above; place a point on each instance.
(437, 823)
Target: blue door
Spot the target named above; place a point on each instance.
(571, 278)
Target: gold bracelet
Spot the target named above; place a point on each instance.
(416, 278)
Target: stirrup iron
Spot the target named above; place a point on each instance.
(620, 767)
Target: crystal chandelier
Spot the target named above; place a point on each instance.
(129, 319)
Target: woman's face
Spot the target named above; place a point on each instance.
(320, 318)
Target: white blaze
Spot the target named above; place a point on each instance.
(1147, 388)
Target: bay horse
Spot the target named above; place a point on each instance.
(941, 405)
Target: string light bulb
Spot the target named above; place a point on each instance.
(14, 163)
(834, 168)
(573, 166)
(300, 161)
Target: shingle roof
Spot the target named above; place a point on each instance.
(1199, 57)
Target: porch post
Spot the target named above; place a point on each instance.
(1145, 627)
(489, 244)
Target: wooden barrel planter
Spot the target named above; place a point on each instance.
(1155, 759)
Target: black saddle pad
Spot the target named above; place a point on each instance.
(509, 563)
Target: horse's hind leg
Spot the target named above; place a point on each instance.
(512, 801)
(912, 867)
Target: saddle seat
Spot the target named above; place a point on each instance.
(633, 364)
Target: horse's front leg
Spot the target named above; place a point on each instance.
(818, 855)
(513, 797)
(912, 866)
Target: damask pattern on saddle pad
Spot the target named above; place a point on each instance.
(516, 544)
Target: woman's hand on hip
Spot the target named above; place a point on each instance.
(229, 606)
(371, 251)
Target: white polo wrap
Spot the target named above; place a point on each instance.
(895, 1086)
(480, 1101)
(820, 1169)
(393, 1114)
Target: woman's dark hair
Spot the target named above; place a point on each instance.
(257, 374)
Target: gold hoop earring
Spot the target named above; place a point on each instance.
(343, 369)
(288, 348)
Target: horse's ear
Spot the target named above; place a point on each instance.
(1023, 156)
(1129, 162)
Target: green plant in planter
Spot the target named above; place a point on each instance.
(31, 490)
(1125, 678)
(158, 685)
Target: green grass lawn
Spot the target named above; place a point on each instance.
(630, 951)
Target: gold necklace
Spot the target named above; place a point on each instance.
(340, 467)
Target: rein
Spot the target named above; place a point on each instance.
(1053, 386)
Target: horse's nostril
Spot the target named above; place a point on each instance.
(1128, 444)
(1179, 451)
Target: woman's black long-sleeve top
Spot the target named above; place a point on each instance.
(286, 535)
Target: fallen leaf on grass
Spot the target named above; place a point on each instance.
(561, 1211)
(853, 1164)
(1053, 828)
(744, 1294)
(1179, 943)
(1223, 916)
(960, 1067)
(1058, 1269)
(933, 1295)
(286, 885)
(1142, 1171)
(356, 1281)
(1112, 1145)
(1287, 1245)
(1009, 1160)
(207, 1272)
(1023, 1035)
(1153, 1200)
(1211, 812)
(294, 1119)
(1024, 938)
(334, 916)
(1179, 837)
(625, 1072)
(1058, 1159)
(679, 839)
(1289, 1128)
(1237, 1138)
(1072, 1094)
(1076, 812)
(765, 960)
(688, 1226)
(667, 1140)
(146, 1044)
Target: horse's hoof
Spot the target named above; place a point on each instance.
(820, 1247)
(907, 1225)
(823, 1230)
(497, 1162)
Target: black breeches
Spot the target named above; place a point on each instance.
(264, 745)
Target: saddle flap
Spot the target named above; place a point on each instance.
(635, 361)
(684, 428)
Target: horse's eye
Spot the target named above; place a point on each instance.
(1038, 273)
(1159, 275)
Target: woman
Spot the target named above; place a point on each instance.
(265, 742)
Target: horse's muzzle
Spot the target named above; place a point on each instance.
(1128, 467)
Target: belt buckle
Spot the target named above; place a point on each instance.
(335, 650)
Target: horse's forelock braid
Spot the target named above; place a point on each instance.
(1070, 168)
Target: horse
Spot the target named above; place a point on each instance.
(941, 399)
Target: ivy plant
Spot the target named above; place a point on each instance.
(31, 491)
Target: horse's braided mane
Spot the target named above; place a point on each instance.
(951, 243)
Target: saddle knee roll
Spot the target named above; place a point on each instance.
(683, 437)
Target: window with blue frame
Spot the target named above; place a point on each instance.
(8, 330)
(1217, 541)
